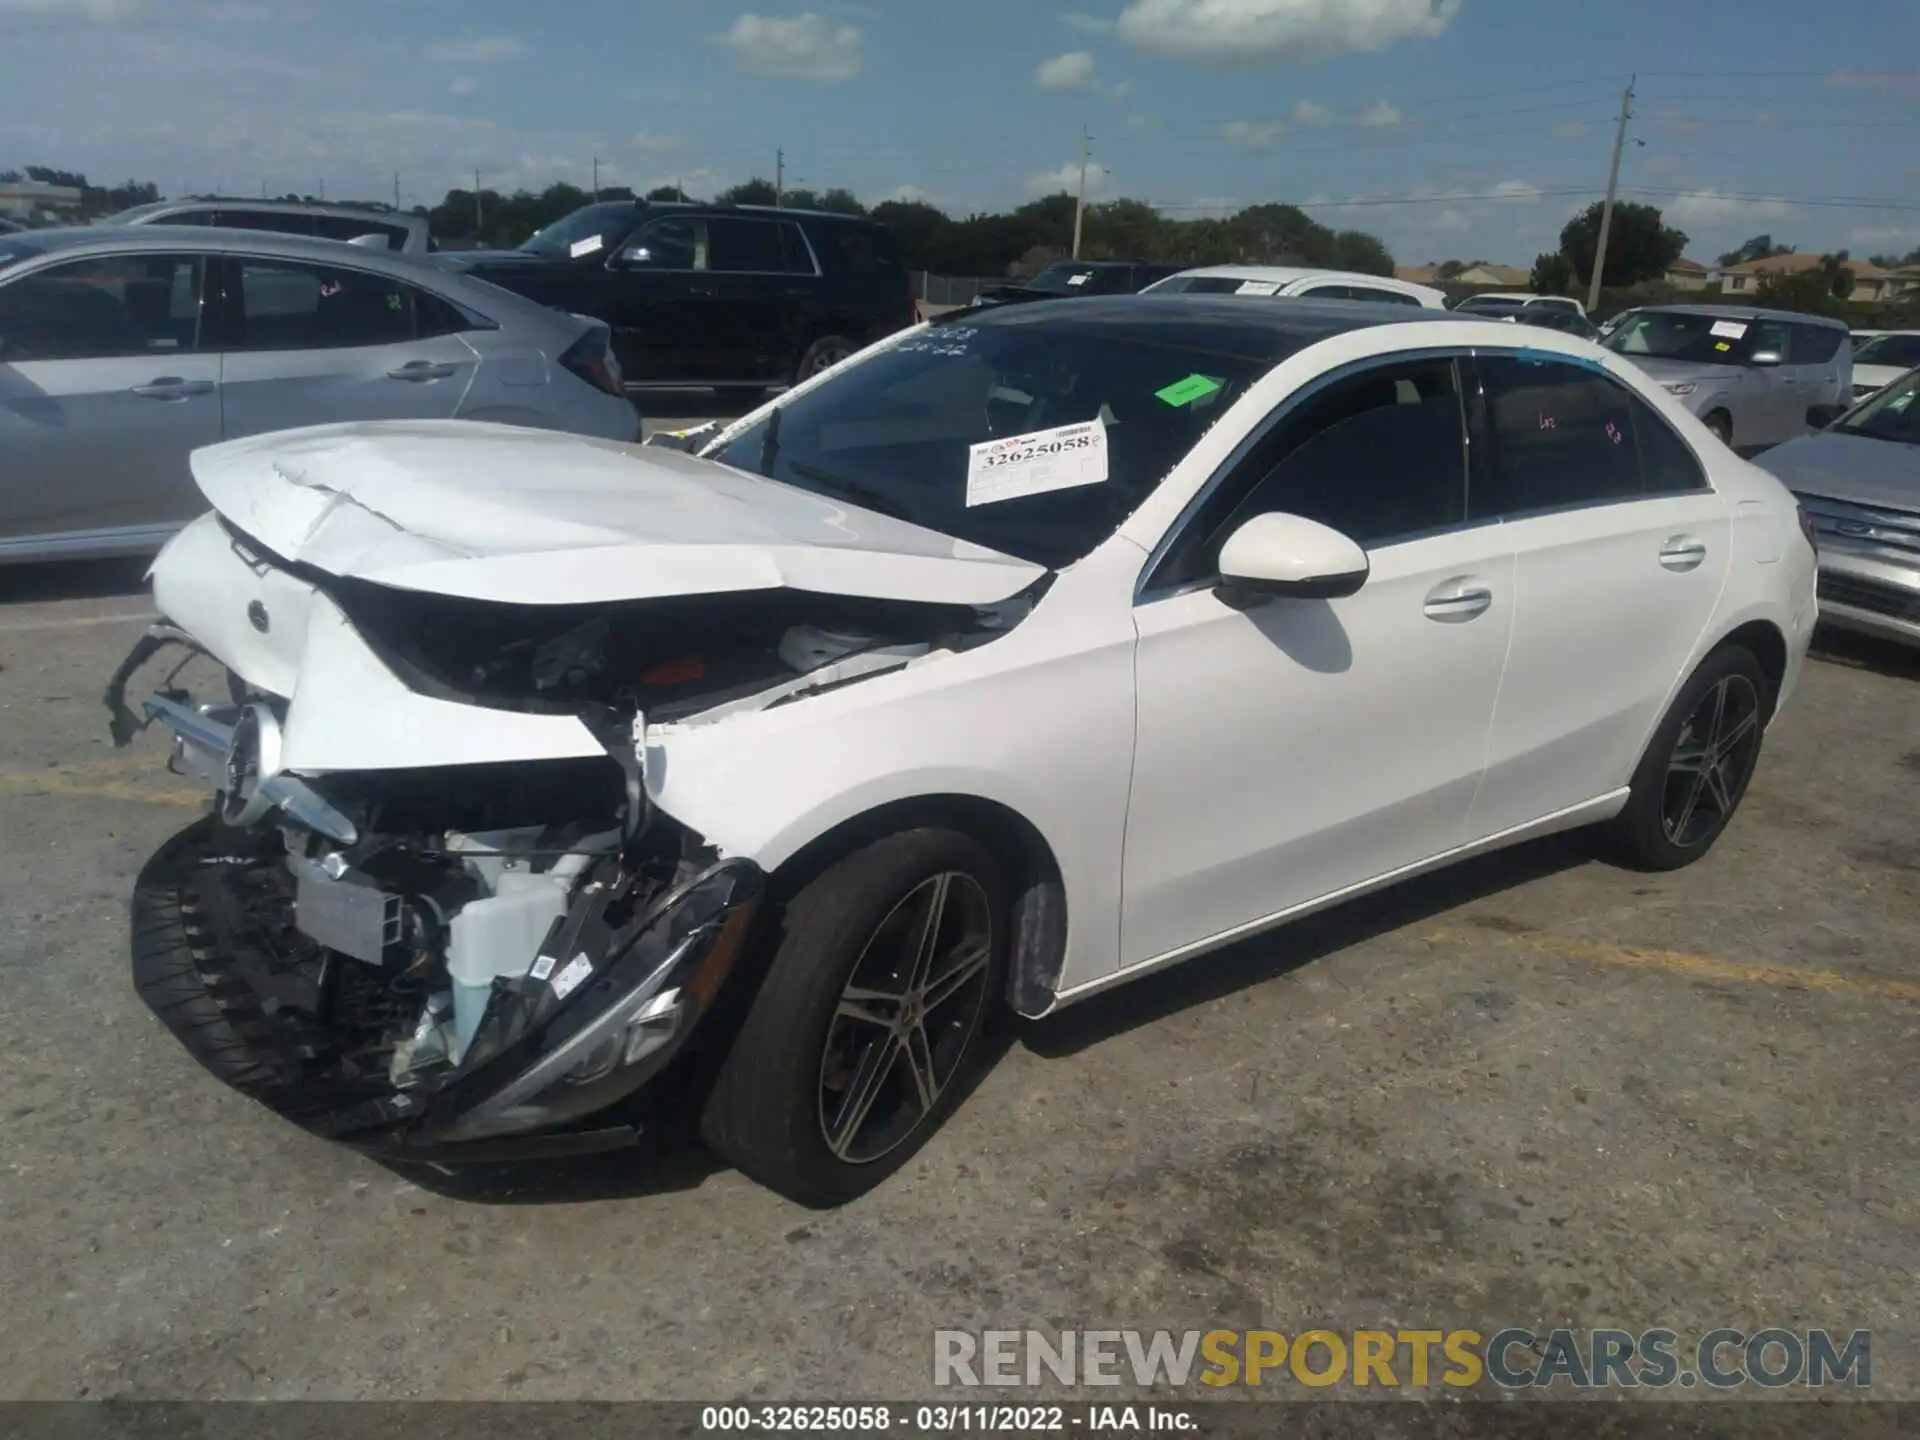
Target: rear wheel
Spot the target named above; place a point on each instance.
(868, 1028)
(1698, 765)
(827, 351)
(1721, 424)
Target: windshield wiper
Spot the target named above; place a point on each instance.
(853, 490)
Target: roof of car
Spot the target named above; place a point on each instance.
(280, 207)
(216, 237)
(1742, 312)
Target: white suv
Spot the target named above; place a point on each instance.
(1287, 280)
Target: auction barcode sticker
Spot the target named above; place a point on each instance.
(1035, 463)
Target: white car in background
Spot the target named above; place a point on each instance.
(1882, 359)
(1294, 282)
(1011, 659)
(1526, 299)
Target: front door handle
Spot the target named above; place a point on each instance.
(172, 387)
(420, 370)
(1683, 552)
(1454, 601)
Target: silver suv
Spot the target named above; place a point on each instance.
(1751, 375)
(374, 229)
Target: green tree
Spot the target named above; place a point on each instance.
(841, 202)
(1760, 247)
(667, 192)
(1640, 246)
(914, 224)
(1357, 250)
(751, 192)
(1837, 274)
(1552, 274)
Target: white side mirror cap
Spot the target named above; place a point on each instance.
(1292, 557)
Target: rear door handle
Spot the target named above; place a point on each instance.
(1453, 601)
(172, 387)
(1683, 552)
(420, 370)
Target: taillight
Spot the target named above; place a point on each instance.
(592, 359)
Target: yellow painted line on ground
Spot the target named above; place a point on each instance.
(100, 780)
(1693, 967)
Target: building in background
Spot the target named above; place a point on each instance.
(31, 203)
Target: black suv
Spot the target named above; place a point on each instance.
(1065, 279)
(728, 297)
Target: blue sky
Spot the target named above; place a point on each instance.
(1445, 119)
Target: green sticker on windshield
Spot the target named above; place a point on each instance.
(1185, 392)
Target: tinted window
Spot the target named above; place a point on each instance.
(1900, 351)
(863, 250)
(1360, 292)
(897, 432)
(1667, 465)
(286, 305)
(113, 305)
(1701, 339)
(1208, 285)
(745, 246)
(269, 220)
(1816, 344)
(434, 316)
(1893, 414)
(1556, 435)
(1379, 457)
(350, 227)
(793, 249)
(187, 217)
(677, 244)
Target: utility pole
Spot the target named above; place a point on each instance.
(596, 177)
(479, 220)
(396, 190)
(1080, 200)
(1613, 185)
(323, 188)
(779, 177)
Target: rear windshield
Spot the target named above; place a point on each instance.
(1900, 351)
(587, 231)
(959, 413)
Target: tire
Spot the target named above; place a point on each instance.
(1721, 424)
(827, 350)
(1677, 811)
(784, 1107)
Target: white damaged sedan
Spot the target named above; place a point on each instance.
(1009, 660)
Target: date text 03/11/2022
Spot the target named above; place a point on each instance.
(980, 1419)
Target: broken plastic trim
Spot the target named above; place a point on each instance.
(122, 723)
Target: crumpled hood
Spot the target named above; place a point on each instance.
(1853, 468)
(1675, 372)
(497, 512)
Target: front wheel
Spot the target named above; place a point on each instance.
(1721, 424)
(1697, 767)
(822, 354)
(867, 1030)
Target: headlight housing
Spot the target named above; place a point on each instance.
(1681, 387)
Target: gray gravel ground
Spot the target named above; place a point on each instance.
(1536, 1091)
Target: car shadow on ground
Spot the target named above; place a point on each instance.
(1299, 943)
(73, 580)
(1866, 652)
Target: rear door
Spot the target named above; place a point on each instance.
(1620, 552)
(107, 384)
(754, 316)
(1821, 367)
(307, 344)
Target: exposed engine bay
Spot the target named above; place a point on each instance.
(421, 958)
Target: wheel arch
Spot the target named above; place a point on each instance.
(1768, 644)
(1039, 900)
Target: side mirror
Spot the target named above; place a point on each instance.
(1821, 416)
(1765, 357)
(633, 255)
(1291, 557)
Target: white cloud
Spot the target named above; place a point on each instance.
(1257, 31)
(1380, 114)
(1251, 134)
(1136, 123)
(1072, 71)
(1516, 190)
(911, 195)
(1067, 178)
(1893, 82)
(1570, 129)
(1894, 237)
(1308, 113)
(1086, 24)
(1451, 220)
(68, 12)
(803, 47)
(1711, 207)
(477, 50)
(649, 143)
(463, 85)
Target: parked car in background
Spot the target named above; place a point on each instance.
(10, 227)
(1858, 479)
(1291, 282)
(1861, 337)
(1069, 279)
(125, 349)
(1749, 374)
(374, 229)
(735, 298)
(1027, 654)
(1552, 317)
(1614, 321)
(1523, 299)
(1882, 359)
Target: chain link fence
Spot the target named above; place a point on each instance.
(945, 291)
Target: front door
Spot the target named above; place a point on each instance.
(661, 295)
(1293, 750)
(753, 326)
(309, 344)
(106, 387)
(1620, 552)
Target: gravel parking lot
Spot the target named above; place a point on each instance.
(1536, 1091)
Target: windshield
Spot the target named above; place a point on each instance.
(1900, 351)
(1893, 414)
(911, 431)
(576, 235)
(1685, 335)
(1066, 278)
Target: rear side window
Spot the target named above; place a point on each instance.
(189, 217)
(288, 305)
(749, 247)
(269, 220)
(1556, 435)
(115, 305)
(1379, 456)
(1383, 297)
(1815, 344)
(793, 249)
(862, 250)
(1208, 285)
(348, 227)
